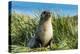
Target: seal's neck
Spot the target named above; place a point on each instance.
(44, 21)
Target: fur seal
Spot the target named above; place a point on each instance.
(44, 33)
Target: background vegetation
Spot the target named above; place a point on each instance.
(23, 27)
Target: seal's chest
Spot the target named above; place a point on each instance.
(46, 33)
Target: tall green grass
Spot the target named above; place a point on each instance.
(23, 27)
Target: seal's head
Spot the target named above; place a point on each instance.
(45, 15)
